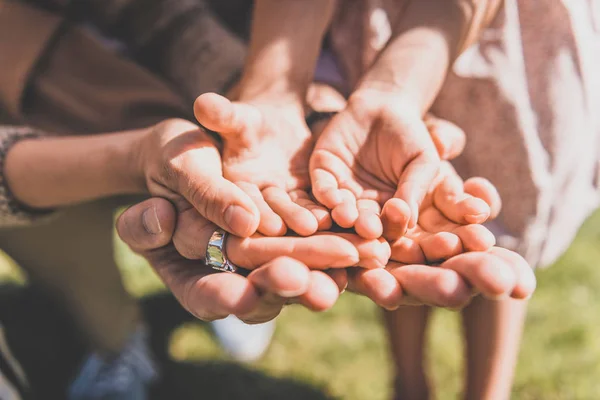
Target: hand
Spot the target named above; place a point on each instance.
(496, 273)
(266, 148)
(493, 272)
(181, 162)
(450, 220)
(150, 228)
(376, 149)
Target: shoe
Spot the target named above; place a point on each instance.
(243, 342)
(124, 377)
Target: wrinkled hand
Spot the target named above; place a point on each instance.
(376, 149)
(181, 162)
(314, 277)
(266, 148)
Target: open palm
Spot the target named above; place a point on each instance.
(376, 149)
(266, 151)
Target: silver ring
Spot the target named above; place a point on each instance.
(215, 252)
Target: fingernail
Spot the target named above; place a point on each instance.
(151, 222)
(239, 220)
(476, 218)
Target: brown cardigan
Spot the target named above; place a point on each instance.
(57, 77)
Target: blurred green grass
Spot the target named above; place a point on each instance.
(343, 351)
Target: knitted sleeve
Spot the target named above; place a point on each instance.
(12, 213)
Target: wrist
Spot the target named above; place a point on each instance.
(125, 167)
(14, 168)
(264, 90)
(375, 94)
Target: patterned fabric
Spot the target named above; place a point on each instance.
(11, 212)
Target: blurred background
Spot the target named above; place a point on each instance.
(339, 354)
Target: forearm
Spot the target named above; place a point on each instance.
(285, 43)
(53, 172)
(430, 36)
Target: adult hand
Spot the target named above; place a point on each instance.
(275, 278)
(180, 161)
(496, 273)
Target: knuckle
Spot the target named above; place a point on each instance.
(202, 196)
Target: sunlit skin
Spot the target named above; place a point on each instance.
(305, 270)
(272, 168)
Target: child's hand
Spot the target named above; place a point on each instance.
(376, 149)
(266, 150)
(450, 221)
(468, 262)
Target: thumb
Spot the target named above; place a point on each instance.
(147, 226)
(448, 138)
(235, 122)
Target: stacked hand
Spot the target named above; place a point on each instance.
(389, 260)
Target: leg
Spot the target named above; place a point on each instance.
(72, 256)
(493, 333)
(406, 329)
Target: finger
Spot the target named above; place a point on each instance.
(450, 199)
(433, 286)
(448, 138)
(340, 277)
(328, 174)
(407, 251)
(378, 285)
(345, 214)
(322, 292)
(277, 282)
(297, 218)
(321, 251)
(415, 181)
(223, 203)
(193, 234)
(321, 214)
(395, 216)
(483, 189)
(213, 296)
(148, 225)
(475, 237)
(441, 246)
(235, 122)
(526, 281)
(488, 274)
(325, 187)
(270, 223)
(282, 276)
(368, 225)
